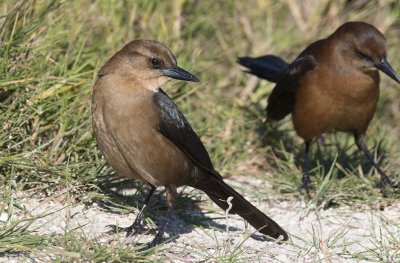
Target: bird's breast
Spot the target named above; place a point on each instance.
(126, 128)
(332, 101)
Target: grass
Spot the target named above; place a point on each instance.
(50, 52)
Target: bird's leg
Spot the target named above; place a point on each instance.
(137, 224)
(306, 182)
(360, 142)
(171, 194)
(321, 140)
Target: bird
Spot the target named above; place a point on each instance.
(144, 136)
(333, 85)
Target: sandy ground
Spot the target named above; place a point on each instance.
(331, 235)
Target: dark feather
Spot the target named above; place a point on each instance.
(219, 192)
(174, 126)
(283, 96)
(273, 68)
(267, 67)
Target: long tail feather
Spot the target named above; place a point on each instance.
(219, 192)
(268, 67)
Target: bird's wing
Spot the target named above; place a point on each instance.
(283, 96)
(175, 127)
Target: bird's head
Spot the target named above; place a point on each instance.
(147, 61)
(367, 47)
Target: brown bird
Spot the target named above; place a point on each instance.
(143, 135)
(332, 85)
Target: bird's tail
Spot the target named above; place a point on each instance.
(267, 67)
(219, 192)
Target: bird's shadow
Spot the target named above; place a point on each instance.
(186, 215)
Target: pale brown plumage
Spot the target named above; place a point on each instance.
(143, 135)
(332, 85)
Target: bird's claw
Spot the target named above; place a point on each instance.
(135, 228)
(385, 180)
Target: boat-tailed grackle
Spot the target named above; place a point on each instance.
(332, 85)
(143, 135)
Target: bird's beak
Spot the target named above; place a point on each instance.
(179, 73)
(384, 66)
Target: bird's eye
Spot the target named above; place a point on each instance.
(155, 62)
(364, 56)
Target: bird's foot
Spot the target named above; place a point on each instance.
(306, 184)
(135, 228)
(385, 180)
